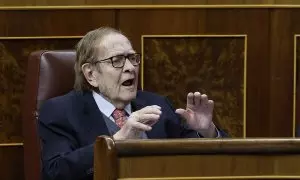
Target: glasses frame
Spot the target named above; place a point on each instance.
(126, 57)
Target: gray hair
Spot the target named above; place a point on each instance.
(87, 52)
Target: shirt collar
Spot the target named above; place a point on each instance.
(106, 107)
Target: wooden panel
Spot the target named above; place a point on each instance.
(205, 158)
(254, 23)
(297, 85)
(13, 56)
(211, 2)
(209, 64)
(284, 27)
(211, 165)
(41, 2)
(160, 22)
(194, 157)
(53, 22)
(286, 2)
(281, 70)
(208, 21)
(137, 2)
(218, 178)
(296, 30)
(297, 90)
(11, 162)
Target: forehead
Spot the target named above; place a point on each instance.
(114, 44)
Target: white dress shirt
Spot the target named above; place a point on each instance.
(108, 108)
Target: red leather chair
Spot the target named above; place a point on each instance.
(49, 74)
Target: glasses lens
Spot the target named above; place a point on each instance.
(118, 61)
(134, 59)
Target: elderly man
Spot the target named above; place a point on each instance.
(105, 101)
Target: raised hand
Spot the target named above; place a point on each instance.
(198, 114)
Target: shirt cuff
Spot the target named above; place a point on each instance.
(217, 131)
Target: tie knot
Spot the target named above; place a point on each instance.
(118, 113)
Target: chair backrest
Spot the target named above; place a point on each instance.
(49, 74)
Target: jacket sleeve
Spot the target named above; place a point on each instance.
(62, 159)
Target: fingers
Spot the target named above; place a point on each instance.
(204, 99)
(131, 130)
(190, 98)
(138, 122)
(141, 126)
(144, 118)
(182, 112)
(148, 115)
(198, 99)
(210, 104)
(154, 109)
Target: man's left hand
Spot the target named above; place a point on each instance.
(198, 114)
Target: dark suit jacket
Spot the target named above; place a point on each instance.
(69, 125)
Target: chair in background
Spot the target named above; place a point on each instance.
(49, 74)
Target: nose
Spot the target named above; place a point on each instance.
(128, 66)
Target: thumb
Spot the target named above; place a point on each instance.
(183, 113)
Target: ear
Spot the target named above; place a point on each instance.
(90, 73)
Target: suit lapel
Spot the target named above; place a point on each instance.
(95, 123)
(157, 131)
(137, 104)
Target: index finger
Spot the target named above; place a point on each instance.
(190, 99)
(151, 110)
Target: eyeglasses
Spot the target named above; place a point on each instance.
(119, 60)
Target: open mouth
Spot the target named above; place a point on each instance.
(128, 82)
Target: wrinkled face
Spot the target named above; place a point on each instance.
(117, 85)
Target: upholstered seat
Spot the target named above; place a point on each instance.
(49, 74)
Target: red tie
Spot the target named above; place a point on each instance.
(120, 117)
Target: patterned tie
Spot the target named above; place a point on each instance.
(120, 117)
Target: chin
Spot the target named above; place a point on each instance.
(128, 96)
